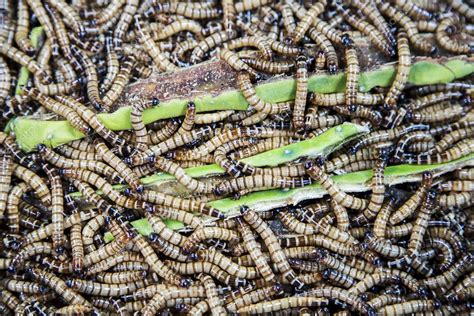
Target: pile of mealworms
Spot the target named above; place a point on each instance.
(399, 249)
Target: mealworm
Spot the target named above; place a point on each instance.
(46, 231)
(213, 299)
(28, 251)
(229, 16)
(40, 13)
(408, 139)
(57, 208)
(124, 261)
(378, 188)
(329, 292)
(164, 232)
(255, 252)
(386, 135)
(167, 145)
(373, 280)
(151, 48)
(61, 33)
(59, 286)
(338, 278)
(409, 307)
(339, 196)
(352, 77)
(463, 8)
(333, 99)
(91, 76)
(101, 184)
(89, 47)
(447, 278)
(164, 133)
(413, 202)
(260, 182)
(179, 203)
(179, 215)
(301, 92)
(403, 69)
(37, 183)
(26, 61)
(445, 28)
(5, 81)
(159, 300)
(465, 174)
(185, 9)
(123, 24)
(444, 248)
(283, 304)
(104, 289)
(385, 299)
(252, 297)
(367, 29)
(461, 199)
(127, 174)
(226, 135)
(408, 25)
(91, 119)
(113, 65)
(74, 153)
(413, 10)
(345, 159)
(119, 82)
(91, 165)
(22, 29)
(157, 265)
(307, 20)
(12, 210)
(202, 234)
(73, 118)
(460, 149)
(370, 10)
(247, 5)
(261, 44)
(357, 166)
(23, 286)
(71, 17)
(441, 113)
(384, 247)
(209, 43)
(452, 138)
(254, 101)
(223, 262)
(462, 290)
(421, 223)
(212, 27)
(274, 249)
(142, 138)
(6, 169)
(168, 249)
(272, 67)
(261, 146)
(236, 63)
(426, 26)
(326, 46)
(433, 98)
(10, 300)
(111, 10)
(108, 250)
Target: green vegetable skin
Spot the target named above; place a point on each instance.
(30, 132)
(354, 182)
